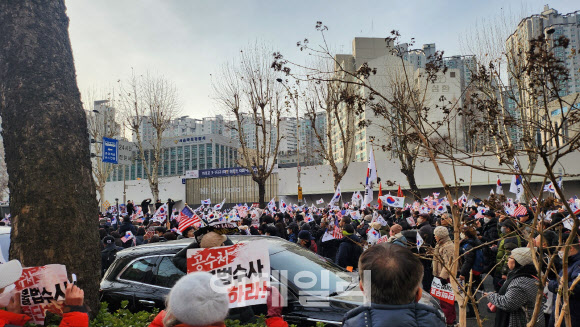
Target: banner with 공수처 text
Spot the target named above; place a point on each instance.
(244, 269)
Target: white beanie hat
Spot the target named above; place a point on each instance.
(193, 301)
(10, 272)
(523, 256)
(441, 231)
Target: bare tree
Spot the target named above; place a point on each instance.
(249, 92)
(102, 122)
(150, 102)
(338, 103)
(544, 74)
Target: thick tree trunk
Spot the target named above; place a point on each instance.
(261, 193)
(52, 191)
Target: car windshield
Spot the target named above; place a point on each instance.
(309, 272)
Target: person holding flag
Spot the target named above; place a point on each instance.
(371, 176)
(498, 188)
(517, 187)
(336, 197)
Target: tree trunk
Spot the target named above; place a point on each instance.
(102, 198)
(52, 191)
(261, 193)
(410, 174)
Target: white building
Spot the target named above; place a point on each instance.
(391, 69)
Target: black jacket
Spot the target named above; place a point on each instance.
(489, 231)
(348, 252)
(145, 206)
(469, 256)
(130, 208)
(127, 227)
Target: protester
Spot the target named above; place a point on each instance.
(306, 241)
(75, 313)
(394, 290)
(442, 262)
(145, 206)
(396, 237)
(473, 262)
(109, 254)
(127, 226)
(350, 248)
(573, 273)
(516, 299)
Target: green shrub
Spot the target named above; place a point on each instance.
(125, 318)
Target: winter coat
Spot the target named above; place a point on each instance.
(398, 239)
(109, 251)
(516, 299)
(501, 252)
(70, 319)
(573, 272)
(384, 315)
(145, 206)
(349, 251)
(443, 253)
(130, 208)
(469, 257)
(127, 227)
(426, 232)
(489, 231)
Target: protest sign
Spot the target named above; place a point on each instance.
(244, 268)
(41, 289)
(442, 292)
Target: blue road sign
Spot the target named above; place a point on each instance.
(110, 150)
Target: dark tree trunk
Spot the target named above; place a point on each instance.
(52, 192)
(261, 193)
(410, 174)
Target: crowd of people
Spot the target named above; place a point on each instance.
(492, 245)
(404, 249)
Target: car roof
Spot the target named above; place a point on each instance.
(276, 244)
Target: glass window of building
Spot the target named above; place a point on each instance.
(133, 168)
(187, 151)
(194, 163)
(173, 167)
(166, 154)
(173, 152)
(165, 168)
(180, 152)
(217, 154)
(139, 169)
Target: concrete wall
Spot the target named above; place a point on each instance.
(317, 181)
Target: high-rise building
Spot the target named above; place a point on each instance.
(553, 25)
(380, 54)
(184, 126)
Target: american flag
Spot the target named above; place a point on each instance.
(336, 232)
(520, 211)
(187, 218)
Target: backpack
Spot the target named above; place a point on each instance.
(478, 264)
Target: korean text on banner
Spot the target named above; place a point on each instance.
(42, 289)
(244, 269)
(442, 292)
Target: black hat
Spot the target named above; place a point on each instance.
(304, 235)
(489, 213)
(108, 239)
(509, 224)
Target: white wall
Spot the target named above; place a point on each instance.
(317, 180)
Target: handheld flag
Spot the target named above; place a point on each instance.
(336, 196)
(419, 241)
(498, 188)
(393, 201)
(380, 194)
(400, 192)
(206, 202)
(283, 206)
(516, 186)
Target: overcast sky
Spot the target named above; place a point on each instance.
(187, 40)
